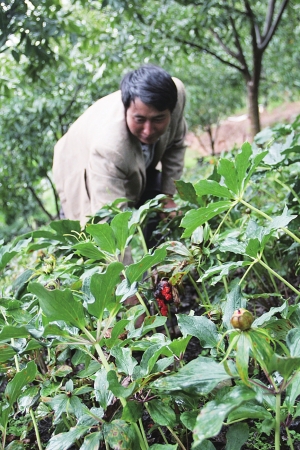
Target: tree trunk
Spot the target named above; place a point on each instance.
(253, 107)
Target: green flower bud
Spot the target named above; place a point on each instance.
(242, 319)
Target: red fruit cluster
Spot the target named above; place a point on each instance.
(163, 295)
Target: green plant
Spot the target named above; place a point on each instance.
(71, 352)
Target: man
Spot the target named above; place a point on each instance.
(112, 149)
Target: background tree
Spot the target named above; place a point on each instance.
(237, 33)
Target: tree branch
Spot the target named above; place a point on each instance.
(267, 38)
(206, 50)
(256, 37)
(40, 202)
(269, 17)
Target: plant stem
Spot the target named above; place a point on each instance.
(288, 188)
(138, 295)
(102, 357)
(176, 438)
(290, 439)
(271, 275)
(223, 220)
(277, 421)
(36, 429)
(279, 277)
(196, 289)
(143, 431)
(163, 436)
(261, 213)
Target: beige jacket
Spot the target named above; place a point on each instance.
(98, 160)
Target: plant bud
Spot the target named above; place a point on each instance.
(242, 319)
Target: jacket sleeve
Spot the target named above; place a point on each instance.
(105, 180)
(173, 157)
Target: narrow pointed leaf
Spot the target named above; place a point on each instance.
(227, 169)
(135, 271)
(201, 327)
(293, 341)
(11, 332)
(103, 287)
(211, 418)
(194, 218)
(236, 436)
(21, 379)
(89, 250)
(103, 236)
(292, 392)
(210, 187)
(161, 413)
(242, 162)
(66, 440)
(120, 227)
(91, 441)
(186, 191)
(59, 305)
(199, 376)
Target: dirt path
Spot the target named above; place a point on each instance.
(235, 130)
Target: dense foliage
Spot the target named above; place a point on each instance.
(73, 362)
(58, 57)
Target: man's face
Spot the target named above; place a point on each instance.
(145, 122)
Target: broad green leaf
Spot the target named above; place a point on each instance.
(281, 221)
(201, 327)
(66, 226)
(284, 365)
(249, 410)
(124, 361)
(28, 398)
(242, 356)
(161, 413)
(242, 162)
(103, 395)
(103, 236)
(67, 439)
(211, 418)
(261, 348)
(7, 252)
(293, 341)
(256, 160)
(209, 187)
(149, 359)
(227, 170)
(264, 318)
(103, 287)
(232, 245)
(222, 270)
(188, 418)
(132, 412)
(199, 376)
(21, 379)
(59, 305)
(120, 227)
(194, 218)
(234, 300)
(135, 271)
(292, 393)
(89, 250)
(92, 441)
(120, 436)
(253, 247)
(186, 191)
(11, 332)
(236, 436)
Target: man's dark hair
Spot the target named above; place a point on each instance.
(152, 85)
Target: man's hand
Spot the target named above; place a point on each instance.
(168, 202)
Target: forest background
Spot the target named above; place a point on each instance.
(58, 57)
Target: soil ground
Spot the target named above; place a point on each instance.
(235, 130)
